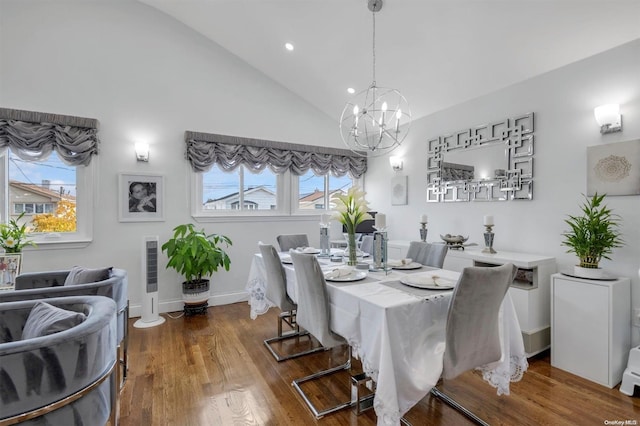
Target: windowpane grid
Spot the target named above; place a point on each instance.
(221, 190)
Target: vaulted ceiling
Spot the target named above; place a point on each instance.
(438, 53)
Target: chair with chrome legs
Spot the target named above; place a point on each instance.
(314, 315)
(276, 292)
(292, 241)
(472, 331)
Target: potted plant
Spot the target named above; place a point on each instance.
(593, 236)
(13, 237)
(351, 209)
(195, 255)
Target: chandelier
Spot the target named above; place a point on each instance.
(376, 120)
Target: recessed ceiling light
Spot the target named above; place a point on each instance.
(288, 46)
(351, 90)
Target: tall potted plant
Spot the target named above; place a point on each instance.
(593, 236)
(351, 210)
(195, 255)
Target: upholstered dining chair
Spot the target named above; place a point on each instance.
(276, 292)
(433, 255)
(314, 315)
(291, 241)
(472, 332)
(366, 244)
(415, 248)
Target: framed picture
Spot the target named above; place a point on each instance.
(10, 264)
(614, 168)
(140, 197)
(399, 190)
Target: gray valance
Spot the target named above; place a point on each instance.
(228, 152)
(33, 135)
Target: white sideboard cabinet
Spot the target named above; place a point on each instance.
(591, 327)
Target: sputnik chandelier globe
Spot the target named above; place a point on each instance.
(375, 121)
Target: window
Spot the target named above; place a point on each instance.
(239, 189)
(314, 192)
(56, 208)
(218, 193)
(30, 208)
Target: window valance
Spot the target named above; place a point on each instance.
(228, 152)
(33, 135)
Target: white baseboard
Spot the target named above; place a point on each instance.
(135, 310)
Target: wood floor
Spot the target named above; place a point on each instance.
(214, 370)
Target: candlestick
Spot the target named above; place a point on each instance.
(488, 239)
(379, 252)
(488, 220)
(423, 232)
(381, 221)
(325, 251)
(423, 218)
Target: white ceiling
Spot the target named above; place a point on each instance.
(438, 53)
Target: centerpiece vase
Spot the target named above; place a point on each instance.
(352, 249)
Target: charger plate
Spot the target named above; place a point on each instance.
(412, 265)
(354, 276)
(440, 283)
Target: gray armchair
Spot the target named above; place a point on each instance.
(44, 285)
(65, 378)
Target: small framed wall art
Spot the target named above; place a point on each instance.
(399, 190)
(614, 169)
(140, 197)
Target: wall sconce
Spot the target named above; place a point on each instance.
(609, 118)
(142, 151)
(396, 163)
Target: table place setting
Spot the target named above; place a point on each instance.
(431, 281)
(403, 264)
(345, 274)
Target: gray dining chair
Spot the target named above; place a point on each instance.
(366, 244)
(472, 332)
(314, 315)
(292, 241)
(276, 292)
(415, 248)
(433, 255)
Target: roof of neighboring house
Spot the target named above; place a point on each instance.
(248, 191)
(313, 196)
(39, 190)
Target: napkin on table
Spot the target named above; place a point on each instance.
(434, 280)
(307, 249)
(399, 262)
(339, 272)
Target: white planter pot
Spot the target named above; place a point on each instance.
(588, 272)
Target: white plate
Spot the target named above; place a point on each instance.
(412, 265)
(354, 276)
(316, 251)
(287, 260)
(440, 284)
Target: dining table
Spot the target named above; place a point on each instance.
(395, 325)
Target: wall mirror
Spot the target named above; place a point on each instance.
(490, 162)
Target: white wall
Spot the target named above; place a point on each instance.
(563, 102)
(144, 75)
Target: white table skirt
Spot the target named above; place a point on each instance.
(399, 335)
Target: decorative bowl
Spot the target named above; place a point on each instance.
(454, 239)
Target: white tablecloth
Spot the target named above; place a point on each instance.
(399, 333)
